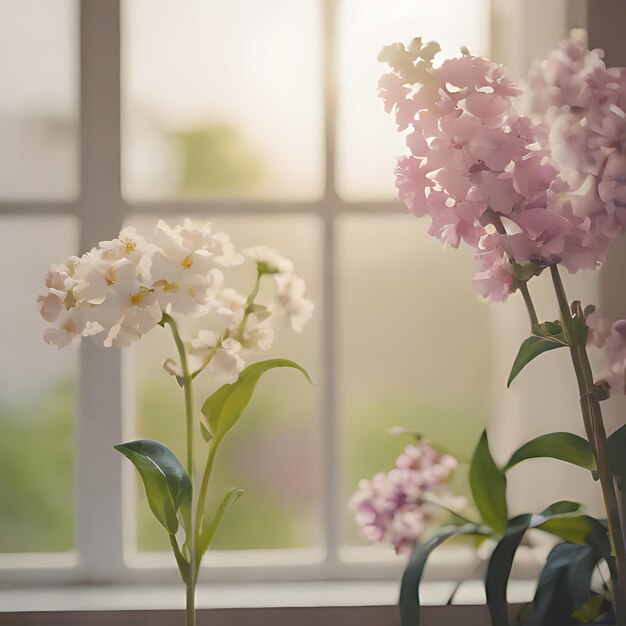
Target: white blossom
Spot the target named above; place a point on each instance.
(71, 324)
(122, 288)
(269, 260)
(290, 295)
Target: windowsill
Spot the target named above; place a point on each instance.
(243, 596)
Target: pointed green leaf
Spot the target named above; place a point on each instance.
(166, 482)
(557, 509)
(530, 349)
(488, 485)
(564, 584)
(616, 453)
(224, 407)
(499, 568)
(206, 433)
(501, 559)
(183, 564)
(584, 529)
(563, 446)
(573, 529)
(208, 532)
(409, 589)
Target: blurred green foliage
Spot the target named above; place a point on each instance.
(36, 472)
(215, 160)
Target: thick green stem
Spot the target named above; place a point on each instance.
(594, 426)
(530, 307)
(191, 604)
(189, 421)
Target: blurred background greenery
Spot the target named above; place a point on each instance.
(237, 113)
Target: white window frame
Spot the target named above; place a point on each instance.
(103, 497)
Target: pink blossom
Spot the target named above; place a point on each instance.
(598, 329)
(615, 350)
(554, 189)
(494, 278)
(391, 507)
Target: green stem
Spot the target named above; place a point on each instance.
(250, 302)
(191, 604)
(206, 475)
(594, 426)
(496, 221)
(530, 307)
(188, 390)
(189, 421)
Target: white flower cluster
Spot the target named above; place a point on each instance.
(120, 290)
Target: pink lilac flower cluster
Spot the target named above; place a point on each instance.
(612, 339)
(487, 176)
(392, 507)
(580, 106)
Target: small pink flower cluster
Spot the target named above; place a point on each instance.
(487, 176)
(612, 338)
(390, 508)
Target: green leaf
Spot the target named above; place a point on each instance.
(616, 453)
(552, 330)
(499, 568)
(563, 446)
(488, 485)
(591, 610)
(579, 325)
(409, 589)
(206, 434)
(167, 485)
(501, 560)
(564, 584)
(530, 349)
(224, 407)
(208, 532)
(572, 529)
(583, 530)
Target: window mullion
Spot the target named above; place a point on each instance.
(99, 424)
(330, 425)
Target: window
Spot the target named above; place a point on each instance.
(260, 116)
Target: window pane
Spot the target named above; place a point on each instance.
(406, 357)
(37, 394)
(39, 104)
(230, 106)
(273, 452)
(367, 143)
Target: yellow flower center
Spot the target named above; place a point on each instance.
(130, 245)
(70, 326)
(187, 262)
(166, 286)
(110, 276)
(136, 298)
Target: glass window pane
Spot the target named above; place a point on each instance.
(273, 452)
(367, 142)
(39, 104)
(231, 106)
(406, 358)
(37, 394)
